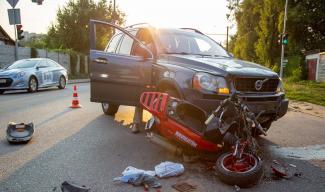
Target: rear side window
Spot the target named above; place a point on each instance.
(126, 45)
(111, 46)
(43, 63)
(52, 63)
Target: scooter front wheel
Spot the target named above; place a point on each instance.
(243, 172)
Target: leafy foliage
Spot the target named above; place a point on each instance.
(70, 31)
(259, 22)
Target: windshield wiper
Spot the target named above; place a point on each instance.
(221, 56)
(186, 53)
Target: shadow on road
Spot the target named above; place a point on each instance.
(17, 92)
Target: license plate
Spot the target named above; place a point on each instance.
(2, 81)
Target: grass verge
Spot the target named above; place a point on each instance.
(307, 91)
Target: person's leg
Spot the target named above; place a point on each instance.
(137, 119)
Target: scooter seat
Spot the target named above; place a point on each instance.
(191, 116)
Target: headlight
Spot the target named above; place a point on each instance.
(280, 88)
(205, 81)
(19, 75)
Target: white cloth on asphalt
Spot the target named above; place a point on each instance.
(132, 170)
(138, 177)
(169, 169)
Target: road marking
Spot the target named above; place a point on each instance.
(311, 152)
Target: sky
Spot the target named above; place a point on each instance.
(209, 16)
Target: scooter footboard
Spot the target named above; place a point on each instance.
(154, 102)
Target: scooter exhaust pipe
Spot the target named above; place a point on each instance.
(162, 142)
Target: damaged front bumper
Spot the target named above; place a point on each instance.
(274, 106)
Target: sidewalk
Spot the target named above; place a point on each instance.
(73, 81)
(308, 108)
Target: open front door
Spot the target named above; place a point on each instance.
(117, 75)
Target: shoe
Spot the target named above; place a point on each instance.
(135, 128)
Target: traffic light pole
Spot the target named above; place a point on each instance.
(284, 31)
(16, 43)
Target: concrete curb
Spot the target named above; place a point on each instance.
(74, 81)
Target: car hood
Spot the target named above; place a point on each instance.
(222, 66)
(9, 71)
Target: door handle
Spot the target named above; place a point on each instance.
(101, 60)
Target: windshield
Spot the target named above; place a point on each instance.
(188, 42)
(23, 64)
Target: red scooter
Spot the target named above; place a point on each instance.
(229, 128)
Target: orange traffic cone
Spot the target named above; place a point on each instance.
(75, 101)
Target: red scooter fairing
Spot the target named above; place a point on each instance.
(179, 120)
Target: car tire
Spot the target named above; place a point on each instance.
(2, 91)
(32, 84)
(110, 109)
(62, 82)
(242, 179)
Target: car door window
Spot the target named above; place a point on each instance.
(113, 43)
(126, 44)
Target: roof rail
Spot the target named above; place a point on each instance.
(137, 24)
(192, 29)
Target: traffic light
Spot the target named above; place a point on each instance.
(279, 39)
(39, 2)
(285, 39)
(19, 32)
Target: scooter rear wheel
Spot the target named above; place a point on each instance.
(244, 172)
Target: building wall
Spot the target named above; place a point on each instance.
(321, 68)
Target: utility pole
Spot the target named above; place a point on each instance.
(16, 43)
(284, 31)
(227, 38)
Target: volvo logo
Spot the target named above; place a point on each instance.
(259, 84)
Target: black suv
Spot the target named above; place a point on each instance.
(184, 63)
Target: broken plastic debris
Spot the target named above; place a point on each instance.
(19, 132)
(284, 171)
(71, 187)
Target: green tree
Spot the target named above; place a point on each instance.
(266, 47)
(246, 15)
(259, 22)
(306, 25)
(70, 31)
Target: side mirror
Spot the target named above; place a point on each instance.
(231, 54)
(38, 67)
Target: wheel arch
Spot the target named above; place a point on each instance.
(33, 75)
(165, 84)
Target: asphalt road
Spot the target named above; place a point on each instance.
(89, 148)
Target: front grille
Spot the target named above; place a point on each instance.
(7, 83)
(248, 85)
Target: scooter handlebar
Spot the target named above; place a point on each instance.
(209, 119)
